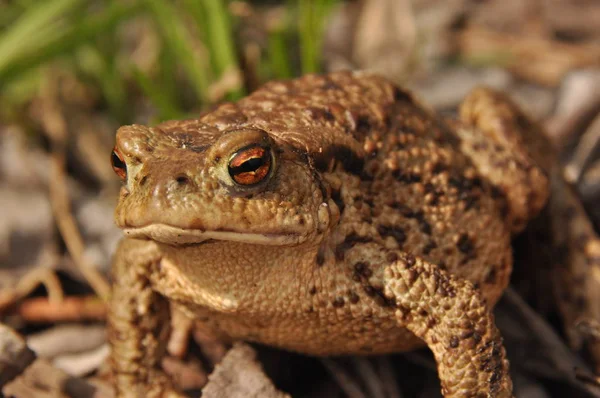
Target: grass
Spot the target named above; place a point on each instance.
(196, 59)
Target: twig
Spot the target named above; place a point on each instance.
(367, 372)
(344, 380)
(538, 59)
(212, 348)
(187, 375)
(583, 153)
(40, 273)
(562, 359)
(76, 308)
(181, 329)
(388, 378)
(56, 128)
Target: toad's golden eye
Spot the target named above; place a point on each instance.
(250, 165)
(118, 165)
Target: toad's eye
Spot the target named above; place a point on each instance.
(118, 165)
(250, 165)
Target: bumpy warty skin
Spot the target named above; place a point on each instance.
(380, 227)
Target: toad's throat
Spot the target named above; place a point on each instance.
(174, 235)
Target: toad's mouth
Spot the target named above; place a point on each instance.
(178, 236)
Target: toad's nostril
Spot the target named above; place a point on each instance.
(182, 179)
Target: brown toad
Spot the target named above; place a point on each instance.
(326, 215)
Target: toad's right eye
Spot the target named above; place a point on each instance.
(118, 165)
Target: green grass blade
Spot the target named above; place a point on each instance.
(29, 27)
(213, 20)
(280, 65)
(79, 34)
(178, 43)
(163, 103)
(308, 50)
(102, 67)
(312, 17)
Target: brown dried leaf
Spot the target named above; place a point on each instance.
(239, 375)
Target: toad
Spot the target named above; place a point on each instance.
(325, 215)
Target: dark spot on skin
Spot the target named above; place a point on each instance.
(429, 247)
(340, 251)
(313, 290)
(320, 114)
(366, 176)
(379, 297)
(362, 269)
(401, 95)
(338, 302)
(453, 342)
(403, 209)
(353, 297)
(424, 226)
(496, 192)
(465, 186)
(391, 257)
(341, 154)
(438, 168)
(464, 244)
(480, 146)
(470, 200)
(410, 260)
(363, 126)
(351, 240)
(408, 178)
(198, 148)
(412, 276)
(431, 322)
(320, 257)
(396, 232)
(491, 275)
(434, 198)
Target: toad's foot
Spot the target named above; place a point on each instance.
(138, 325)
(509, 149)
(450, 315)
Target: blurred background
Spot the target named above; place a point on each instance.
(73, 71)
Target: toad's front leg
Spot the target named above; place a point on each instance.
(138, 324)
(452, 318)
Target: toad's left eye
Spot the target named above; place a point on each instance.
(118, 165)
(250, 165)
